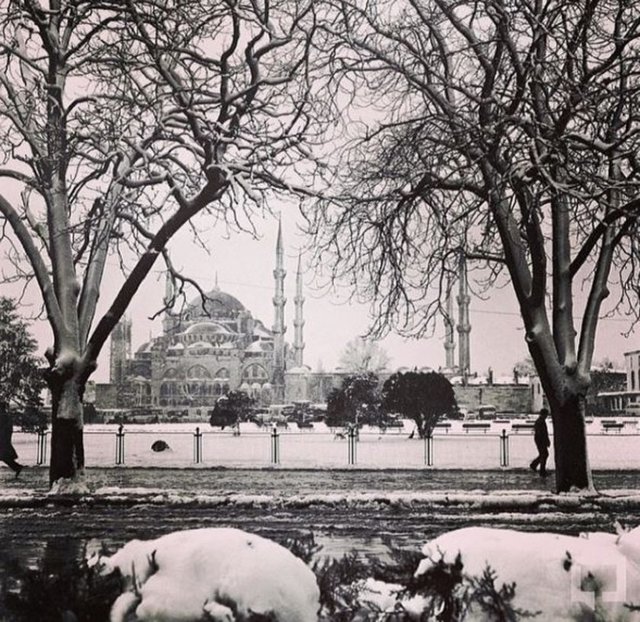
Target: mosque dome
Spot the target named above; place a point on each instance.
(218, 304)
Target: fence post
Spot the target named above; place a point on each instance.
(352, 444)
(197, 446)
(428, 449)
(41, 455)
(504, 449)
(275, 445)
(120, 445)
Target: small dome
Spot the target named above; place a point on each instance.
(302, 369)
(256, 346)
(145, 347)
(260, 331)
(176, 346)
(201, 345)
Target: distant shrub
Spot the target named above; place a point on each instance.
(31, 419)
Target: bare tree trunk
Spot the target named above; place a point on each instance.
(67, 445)
(570, 445)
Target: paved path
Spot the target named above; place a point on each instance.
(286, 481)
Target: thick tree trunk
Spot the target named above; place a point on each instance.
(570, 446)
(67, 446)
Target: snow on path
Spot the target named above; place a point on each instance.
(475, 500)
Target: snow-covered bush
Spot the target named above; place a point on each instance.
(217, 574)
(62, 593)
(355, 589)
(563, 577)
(464, 575)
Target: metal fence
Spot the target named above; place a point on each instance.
(474, 448)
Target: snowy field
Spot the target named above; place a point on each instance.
(458, 446)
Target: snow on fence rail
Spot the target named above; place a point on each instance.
(187, 445)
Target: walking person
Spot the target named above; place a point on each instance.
(8, 454)
(541, 439)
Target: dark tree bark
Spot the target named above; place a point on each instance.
(570, 446)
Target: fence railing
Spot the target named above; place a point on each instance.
(443, 449)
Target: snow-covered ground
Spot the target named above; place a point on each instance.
(454, 447)
(33, 524)
(459, 446)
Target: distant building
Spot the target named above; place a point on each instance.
(216, 345)
(624, 397)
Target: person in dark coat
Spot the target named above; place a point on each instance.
(541, 439)
(8, 454)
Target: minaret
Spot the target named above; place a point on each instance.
(449, 343)
(464, 327)
(278, 326)
(298, 322)
(169, 293)
(120, 351)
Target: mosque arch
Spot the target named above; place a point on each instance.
(255, 373)
(198, 372)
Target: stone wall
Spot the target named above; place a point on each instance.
(507, 398)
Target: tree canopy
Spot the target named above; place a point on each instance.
(231, 408)
(362, 355)
(357, 401)
(424, 397)
(21, 372)
(505, 131)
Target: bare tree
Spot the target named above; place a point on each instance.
(122, 121)
(364, 355)
(508, 131)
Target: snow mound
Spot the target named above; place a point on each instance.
(386, 599)
(70, 486)
(593, 576)
(217, 574)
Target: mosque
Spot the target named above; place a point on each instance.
(215, 345)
